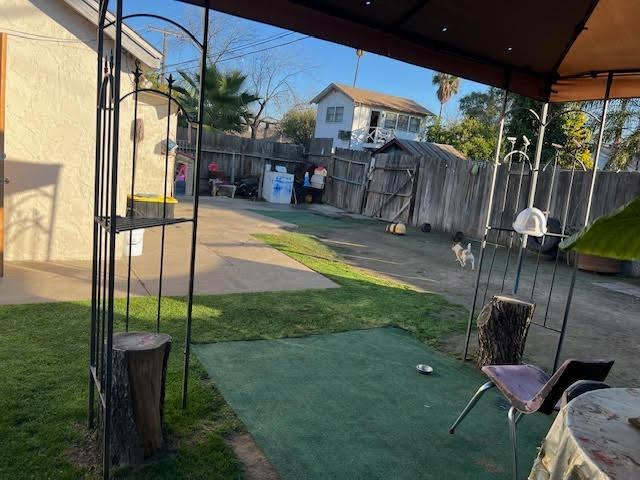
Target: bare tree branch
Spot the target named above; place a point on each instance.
(271, 76)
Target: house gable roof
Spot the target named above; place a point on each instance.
(132, 42)
(441, 151)
(375, 99)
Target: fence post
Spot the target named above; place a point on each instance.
(261, 176)
(414, 193)
(233, 167)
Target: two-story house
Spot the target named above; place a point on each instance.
(362, 119)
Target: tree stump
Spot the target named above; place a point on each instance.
(137, 395)
(502, 331)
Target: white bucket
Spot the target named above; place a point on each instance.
(136, 239)
(317, 181)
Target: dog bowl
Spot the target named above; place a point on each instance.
(424, 369)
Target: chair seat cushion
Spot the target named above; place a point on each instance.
(518, 383)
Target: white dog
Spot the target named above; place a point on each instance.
(464, 255)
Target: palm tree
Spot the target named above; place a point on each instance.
(448, 86)
(226, 103)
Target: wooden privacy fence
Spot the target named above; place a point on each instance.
(450, 194)
(237, 156)
(347, 179)
(383, 187)
(392, 187)
(453, 195)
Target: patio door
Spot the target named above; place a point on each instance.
(3, 89)
(373, 126)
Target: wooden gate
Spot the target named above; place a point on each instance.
(346, 180)
(391, 190)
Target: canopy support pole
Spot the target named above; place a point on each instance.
(567, 309)
(532, 189)
(492, 188)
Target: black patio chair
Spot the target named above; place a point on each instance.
(529, 389)
(580, 387)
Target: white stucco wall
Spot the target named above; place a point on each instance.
(50, 132)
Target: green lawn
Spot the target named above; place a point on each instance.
(43, 358)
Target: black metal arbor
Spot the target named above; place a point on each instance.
(495, 221)
(109, 222)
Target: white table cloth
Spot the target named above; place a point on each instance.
(591, 439)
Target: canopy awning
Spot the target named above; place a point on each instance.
(555, 50)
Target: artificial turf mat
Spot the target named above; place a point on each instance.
(352, 406)
(306, 218)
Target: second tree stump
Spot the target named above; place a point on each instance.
(502, 330)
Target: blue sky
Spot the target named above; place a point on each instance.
(327, 62)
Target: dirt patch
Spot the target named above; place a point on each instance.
(255, 465)
(85, 453)
(601, 322)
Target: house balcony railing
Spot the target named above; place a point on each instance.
(380, 135)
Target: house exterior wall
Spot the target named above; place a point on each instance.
(331, 130)
(50, 133)
(356, 119)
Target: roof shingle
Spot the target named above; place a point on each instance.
(420, 149)
(375, 99)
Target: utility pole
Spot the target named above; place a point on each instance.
(165, 45)
(359, 54)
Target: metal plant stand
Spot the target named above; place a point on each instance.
(494, 221)
(109, 221)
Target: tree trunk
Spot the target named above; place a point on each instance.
(137, 395)
(502, 331)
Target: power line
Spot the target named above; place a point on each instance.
(48, 38)
(259, 42)
(268, 48)
(45, 38)
(241, 55)
(237, 49)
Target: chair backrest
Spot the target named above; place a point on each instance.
(569, 372)
(580, 387)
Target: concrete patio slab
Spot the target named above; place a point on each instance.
(229, 260)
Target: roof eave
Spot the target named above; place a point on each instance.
(333, 86)
(327, 90)
(132, 42)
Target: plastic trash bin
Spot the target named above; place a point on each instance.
(136, 239)
(277, 187)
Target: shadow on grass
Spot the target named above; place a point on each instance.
(43, 390)
(44, 358)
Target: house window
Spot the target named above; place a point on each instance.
(390, 120)
(403, 122)
(414, 125)
(334, 114)
(344, 135)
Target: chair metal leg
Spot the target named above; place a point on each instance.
(519, 417)
(514, 416)
(471, 404)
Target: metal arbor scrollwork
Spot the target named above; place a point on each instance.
(108, 222)
(497, 227)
